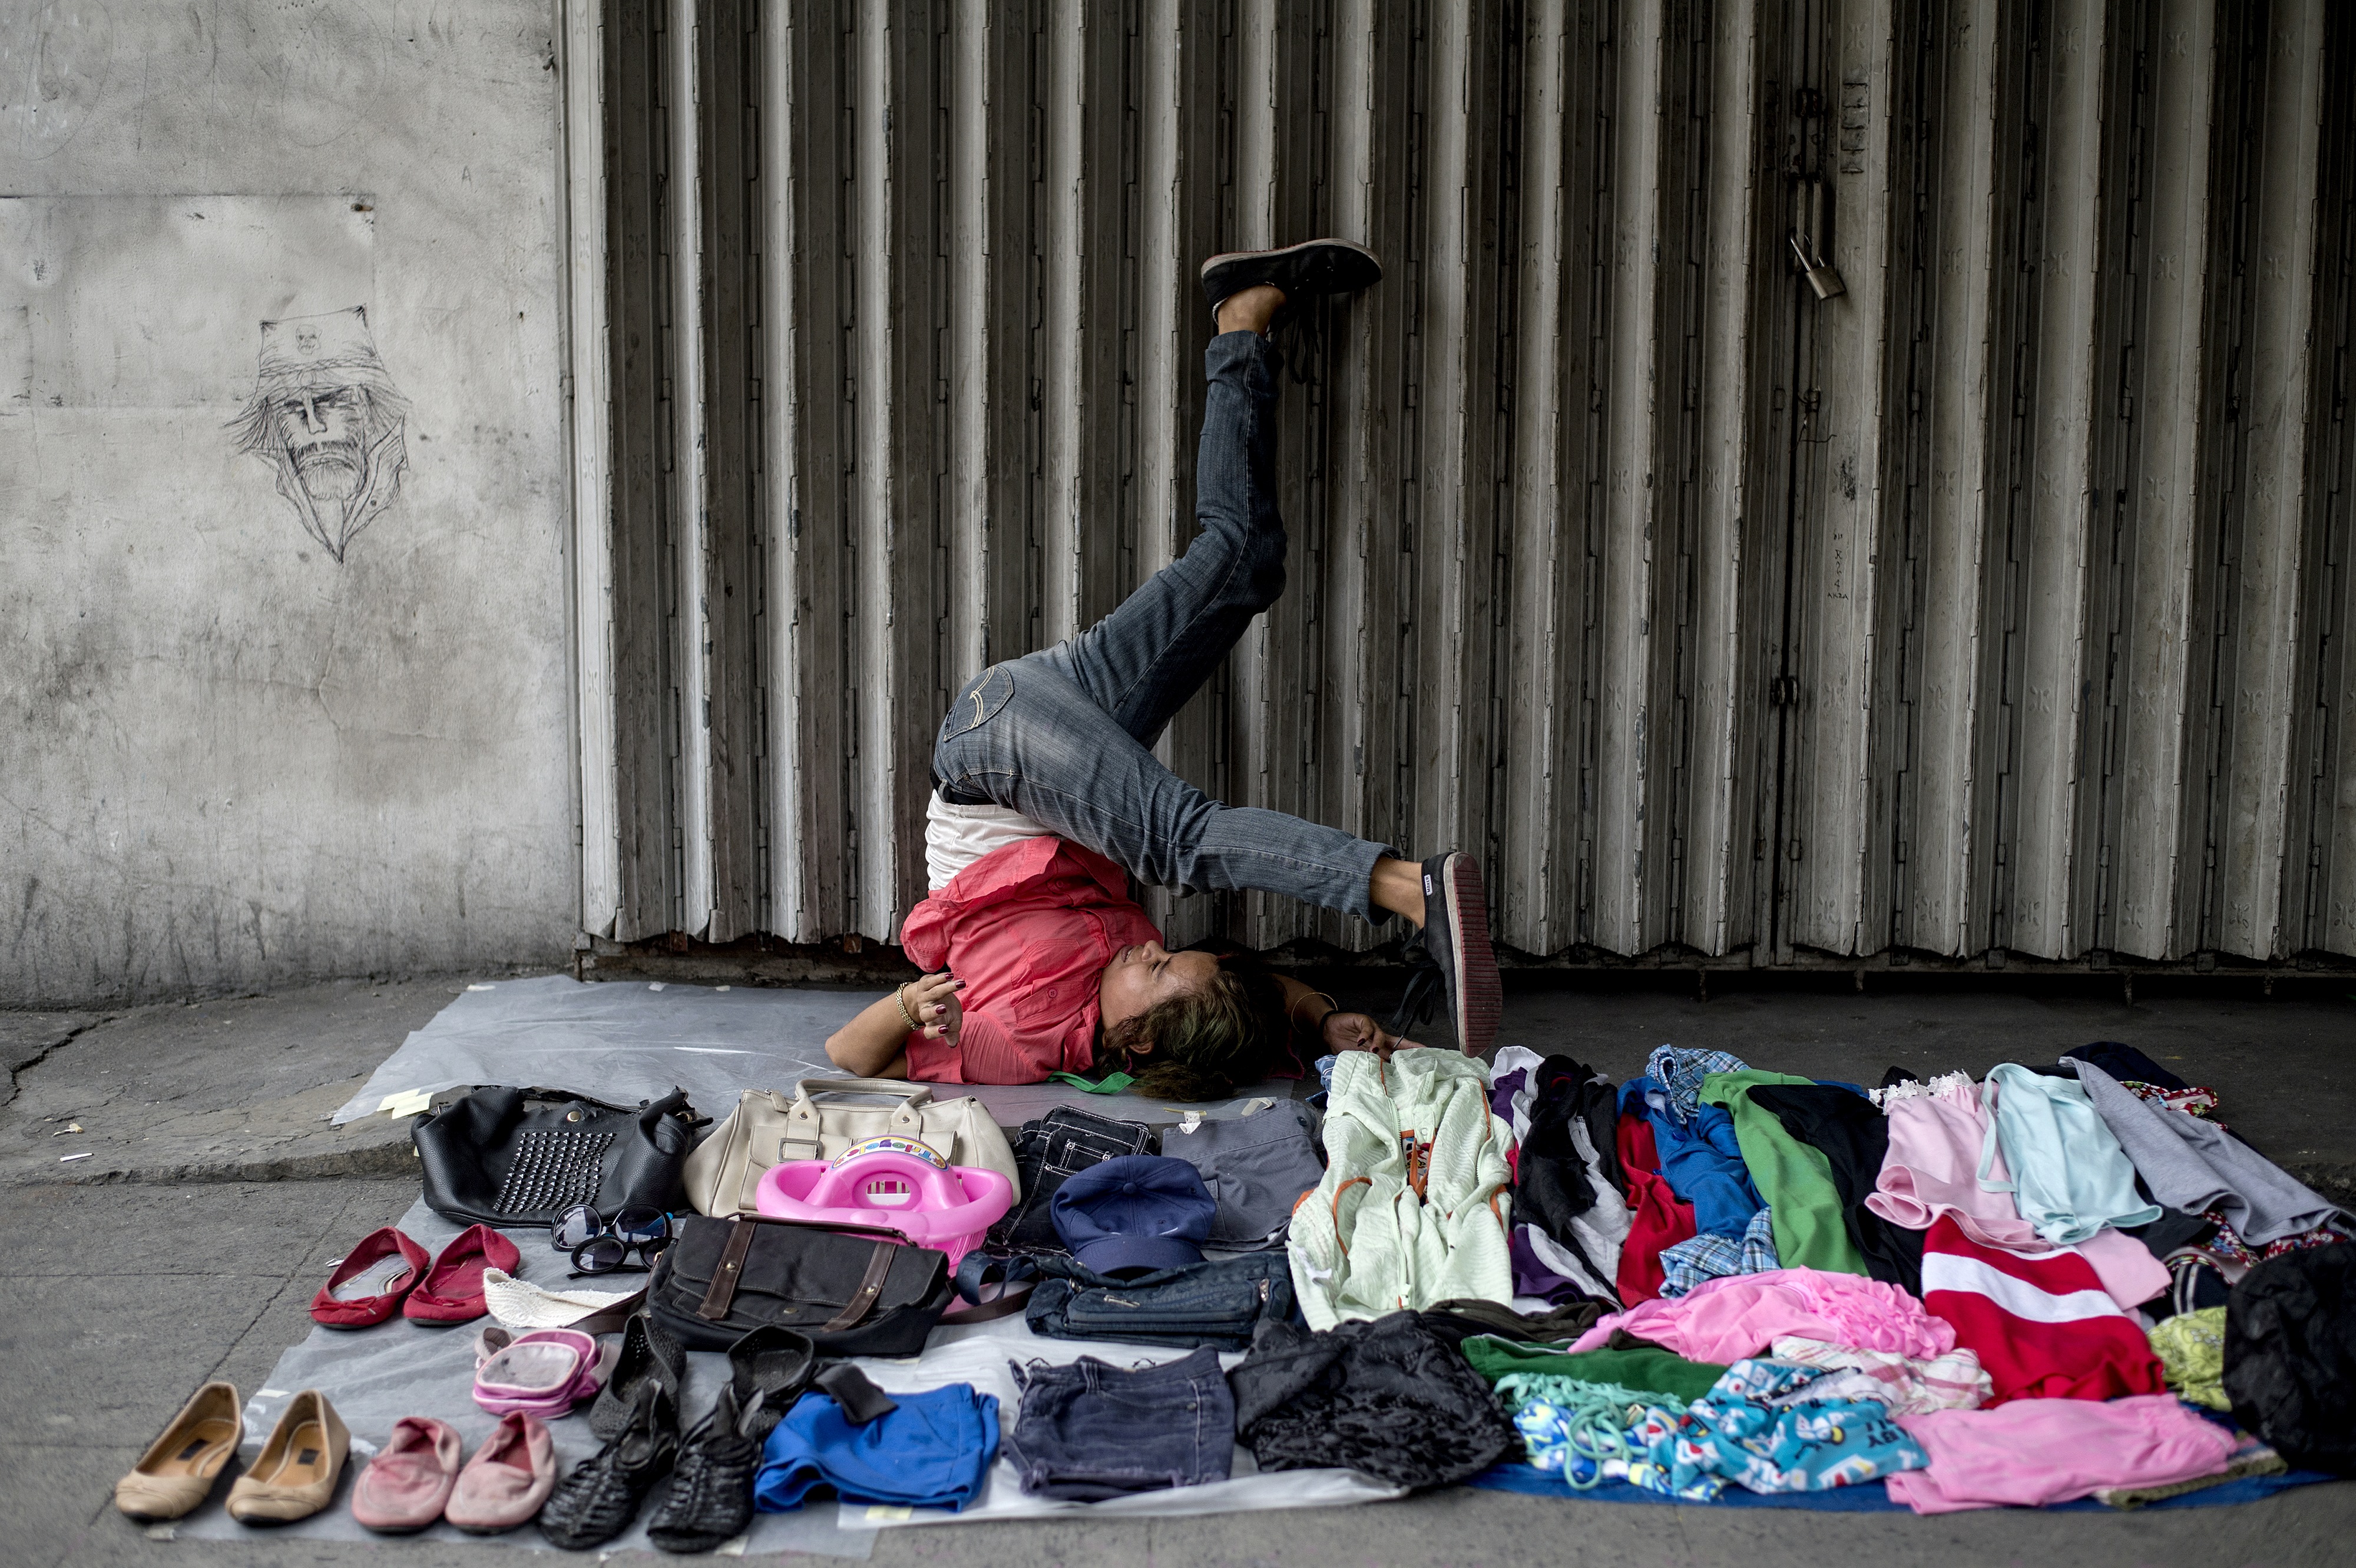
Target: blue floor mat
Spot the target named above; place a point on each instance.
(1867, 1498)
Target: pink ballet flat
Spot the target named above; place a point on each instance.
(404, 1486)
(507, 1480)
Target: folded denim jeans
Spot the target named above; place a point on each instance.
(1091, 1430)
(1218, 1302)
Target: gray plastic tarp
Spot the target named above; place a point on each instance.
(375, 1376)
(616, 1040)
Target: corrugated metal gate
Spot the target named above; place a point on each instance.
(1996, 604)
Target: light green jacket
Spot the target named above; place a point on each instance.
(1362, 1242)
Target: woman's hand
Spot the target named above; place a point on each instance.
(933, 1001)
(875, 1043)
(1358, 1032)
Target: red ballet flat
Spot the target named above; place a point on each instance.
(453, 1290)
(368, 1311)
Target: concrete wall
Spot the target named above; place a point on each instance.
(229, 758)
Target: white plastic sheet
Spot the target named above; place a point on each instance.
(626, 1040)
(375, 1376)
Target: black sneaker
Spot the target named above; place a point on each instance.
(1310, 268)
(1451, 956)
(769, 1367)
(601, 1496)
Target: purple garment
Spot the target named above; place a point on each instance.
(1533, 1278)
(1502, 1093)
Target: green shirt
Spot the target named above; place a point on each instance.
(1795, 1178)
(1652, 1372)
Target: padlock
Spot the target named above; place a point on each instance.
(1820, 277)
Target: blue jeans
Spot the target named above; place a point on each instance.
(1090, 1430)
(1062, 735)
(1219, 1303)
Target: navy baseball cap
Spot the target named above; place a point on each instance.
(1136, 1212)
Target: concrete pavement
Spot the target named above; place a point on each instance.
(223, 1089)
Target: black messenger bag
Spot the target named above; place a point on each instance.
(855, 1290)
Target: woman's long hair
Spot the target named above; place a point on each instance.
(1208, 1040)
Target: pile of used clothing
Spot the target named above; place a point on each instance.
(2056, 1282)
(2052, 1283)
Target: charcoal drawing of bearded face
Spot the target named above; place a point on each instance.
(326, 418)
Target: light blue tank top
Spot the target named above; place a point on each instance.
(2069, 1176)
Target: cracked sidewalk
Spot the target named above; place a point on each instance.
(231, 1089)
(241, 1089)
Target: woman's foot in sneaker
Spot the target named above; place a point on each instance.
(1453, 940)
(1301, 272)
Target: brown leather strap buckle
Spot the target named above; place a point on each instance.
(1010, 1300)
(723, 1294)
(871, 1285)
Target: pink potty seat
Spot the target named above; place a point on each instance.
(891, 1181)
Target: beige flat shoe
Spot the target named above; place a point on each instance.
(295, 1474)
(179, 1472)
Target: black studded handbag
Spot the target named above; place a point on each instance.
(518, 1157)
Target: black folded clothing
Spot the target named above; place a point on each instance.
(2290, 1356)
(2125, 1062)
(1456, 1320)
(1387, 1398)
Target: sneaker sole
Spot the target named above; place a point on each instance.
(1480, 994)
(1311, 267)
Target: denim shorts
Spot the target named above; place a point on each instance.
(1092, 1431)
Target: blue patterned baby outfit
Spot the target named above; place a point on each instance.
(1735, 1432)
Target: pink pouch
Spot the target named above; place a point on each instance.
(545, 1373)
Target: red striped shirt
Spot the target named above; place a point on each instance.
(2042, 1325)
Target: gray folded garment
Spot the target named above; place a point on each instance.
(2195, 1166)
(2253, 1458)
(1257, 1167)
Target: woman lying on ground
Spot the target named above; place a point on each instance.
(1047, 798)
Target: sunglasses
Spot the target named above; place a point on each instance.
(599, 1248)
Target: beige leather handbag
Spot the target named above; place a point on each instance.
(768, 1128)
